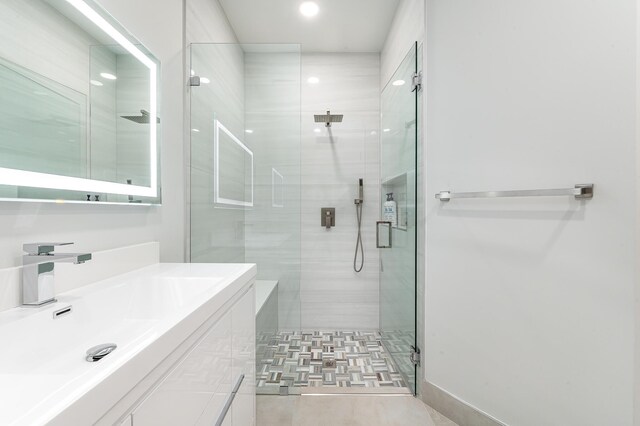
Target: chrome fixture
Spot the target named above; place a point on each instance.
(384, 239)
(358, 202)
(143, 118)
(230, 398)
(38, 268)
(96, 353)
(580, 192)
(414, 355)
(416, 81)
(328, 217)
(328, 118)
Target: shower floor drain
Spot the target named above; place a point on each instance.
(329, 363)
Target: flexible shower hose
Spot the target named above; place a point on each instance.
(359, 240)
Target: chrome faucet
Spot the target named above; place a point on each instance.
(38, 268)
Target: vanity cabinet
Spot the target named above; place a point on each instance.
(199, 386)
(243, 361)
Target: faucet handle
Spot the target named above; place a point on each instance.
(37, 249)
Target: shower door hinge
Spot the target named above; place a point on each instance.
(416, 81)
(415, 356)
(194, 80)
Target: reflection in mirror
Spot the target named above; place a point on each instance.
(234, 169)
(277, 189)
(78, 107)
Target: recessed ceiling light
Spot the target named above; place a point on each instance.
(96, 83)
(373, 132)
(313, 80)
(108, 76)
(195, 130)
(386, 130)
(398, 83)
(249, 131)
(309, 9)
(316, 130)
(205, 80)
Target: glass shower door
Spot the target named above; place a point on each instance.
(397, 228)
(245, 179)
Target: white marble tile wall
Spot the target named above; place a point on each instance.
(333, 296)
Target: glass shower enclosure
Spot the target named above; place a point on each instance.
(245, 171)
(245, 186)
(397, 235)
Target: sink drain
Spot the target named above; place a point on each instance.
(96, 353)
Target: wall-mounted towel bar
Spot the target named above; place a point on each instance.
(580, 192)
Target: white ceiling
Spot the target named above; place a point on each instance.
(340, 26)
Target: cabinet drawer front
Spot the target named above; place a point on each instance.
(244, 359)
(200, 382)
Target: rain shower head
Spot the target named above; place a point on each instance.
(143, 118)
(328, 118)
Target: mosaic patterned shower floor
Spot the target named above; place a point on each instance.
(341, 359)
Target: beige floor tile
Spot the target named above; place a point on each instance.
(338, 410)
(275, 410)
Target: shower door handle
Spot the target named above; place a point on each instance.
(383, 238)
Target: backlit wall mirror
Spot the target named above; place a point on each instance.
(79, 113)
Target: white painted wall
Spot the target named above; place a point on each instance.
(530, 302)
(206, 22)
(407, 28)
(333, 296)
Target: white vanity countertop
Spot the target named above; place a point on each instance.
(43, 370)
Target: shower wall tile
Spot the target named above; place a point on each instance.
(333, 295)
(348, 82)
(338, 315)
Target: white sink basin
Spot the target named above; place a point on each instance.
(43, 370)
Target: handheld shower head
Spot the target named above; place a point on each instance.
(359, 247)
(360, 198)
